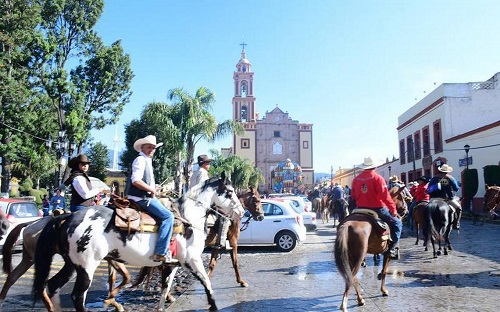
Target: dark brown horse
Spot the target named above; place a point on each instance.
(397, 195)
(438, 221)
(419, 217)
(358, 235)
(251, 201)
(491, 207)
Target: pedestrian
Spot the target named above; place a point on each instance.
(369, 190)
(82, 193)
(45, 205)
(444, 185)
(57, 201)
(142, 190)
(201, 175)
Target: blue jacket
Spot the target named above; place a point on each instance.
(442, 187)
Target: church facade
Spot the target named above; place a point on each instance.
(272, 139)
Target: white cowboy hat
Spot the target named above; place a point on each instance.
(369, 163)
(445, 168)
(150, 139)
(394, 178)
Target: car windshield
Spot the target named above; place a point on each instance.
(23, 210)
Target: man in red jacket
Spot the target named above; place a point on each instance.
(369, 190)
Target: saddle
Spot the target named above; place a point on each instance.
(130, 217)
(382, 227)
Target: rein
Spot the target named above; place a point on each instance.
(494, 200)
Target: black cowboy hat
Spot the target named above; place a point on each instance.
(74, 162)
(204, 159)
(424, 179)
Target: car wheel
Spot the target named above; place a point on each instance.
(285, 241)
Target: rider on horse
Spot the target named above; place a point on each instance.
(443, 185)
(369, 190)
(142, 190)
(337, 196)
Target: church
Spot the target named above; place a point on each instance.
(274, 143)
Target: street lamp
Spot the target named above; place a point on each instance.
(62, 147)
(467, 148)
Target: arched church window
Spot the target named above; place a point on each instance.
(277, 148)
(244, 114)
(244, 68)
(243, 89)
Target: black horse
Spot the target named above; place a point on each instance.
(439, 219)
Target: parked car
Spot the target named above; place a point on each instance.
(18, 211)
(283, 226)
(307, 214)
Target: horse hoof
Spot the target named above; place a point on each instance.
(361, 302)
(439, 253)
(385, 293)
(244, 284)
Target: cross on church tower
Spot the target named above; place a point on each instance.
(243, 44)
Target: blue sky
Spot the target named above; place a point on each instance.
(348, 67)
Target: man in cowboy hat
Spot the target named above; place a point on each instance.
(142, 190)
(82, 193)
(201, 175)
(444, 185)
(369, 190)
(197, 179)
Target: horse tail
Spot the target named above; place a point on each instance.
(341, 251)
(50, 235)
(9, 243)
(430, 227)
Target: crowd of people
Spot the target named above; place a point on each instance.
(370, 191)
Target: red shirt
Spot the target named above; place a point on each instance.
(369, 190)
(421, 192)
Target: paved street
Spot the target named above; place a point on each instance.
(306, 279)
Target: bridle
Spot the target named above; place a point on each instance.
(251, 200)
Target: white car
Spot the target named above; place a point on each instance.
(307, 214)
(283, 226)
(18, 211)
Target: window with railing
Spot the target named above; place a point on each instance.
(426, 146)
(417, 149)
(402, 158)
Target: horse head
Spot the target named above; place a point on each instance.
(224, 197)
(251, 201)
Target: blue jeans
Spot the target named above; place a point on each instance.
(394, 223)
(165, 220)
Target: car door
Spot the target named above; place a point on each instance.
(263, 232)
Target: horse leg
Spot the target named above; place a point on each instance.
(234, 259)
(13, 276)
(383, 274)
(213, 261)
(51, 298)
(114, 266)
(195, 265)
(83, 281)
(416, 227)
(168, 274)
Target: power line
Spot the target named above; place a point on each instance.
(23, 132)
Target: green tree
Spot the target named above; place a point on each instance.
(242, 173)
(98, 155)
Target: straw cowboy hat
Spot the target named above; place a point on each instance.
(204, 159)
(369, 163)
(150, 139)
(80, 159)
(394, 178)
(445, 168)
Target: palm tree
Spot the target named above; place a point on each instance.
(193, 118)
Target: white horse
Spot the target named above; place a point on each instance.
(88, 236)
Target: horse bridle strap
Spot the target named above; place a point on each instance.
(494, 200)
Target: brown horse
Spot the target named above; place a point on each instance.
(325, 209)
(419, 216)
(397, 195)
(251, 201)
(30, 234)
(358, 235)
(491, 204)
